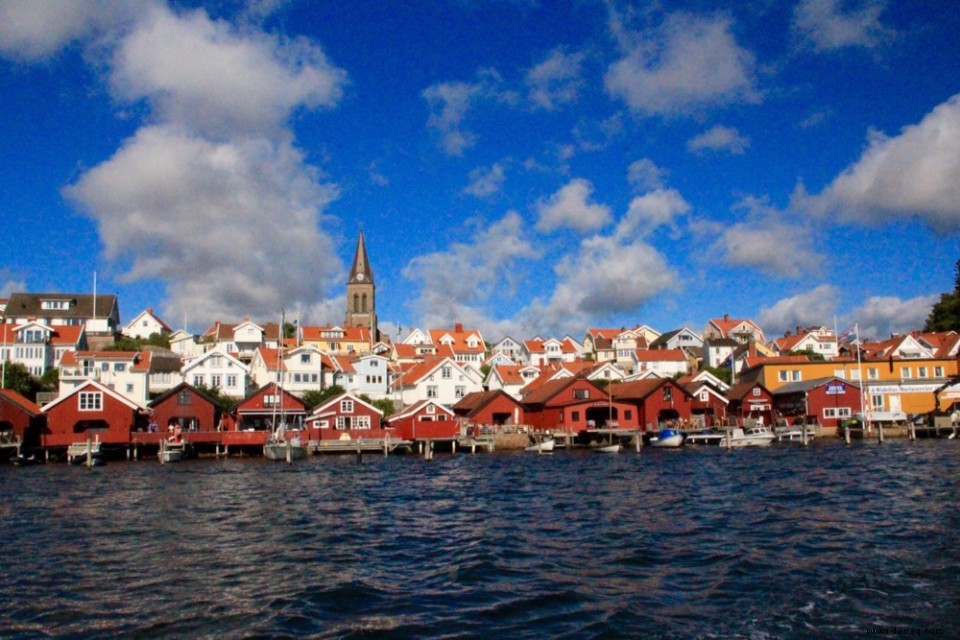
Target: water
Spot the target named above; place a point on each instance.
(781, 542)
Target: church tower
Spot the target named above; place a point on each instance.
(361, 293)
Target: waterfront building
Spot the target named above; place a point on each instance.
(750, 400)
(20, 417)
(184, 406)
(575, 404)
(91, 411)
(265, 408)
(826, 401)
(217, 369)
(708, 406)
(441, 379)
(126, 372)
(426, 419)
(656, 401)
(489, 408)
(345, 416)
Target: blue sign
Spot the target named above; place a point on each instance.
(837, 389)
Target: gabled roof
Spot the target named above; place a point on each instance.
(149, 313)
(804, 386)
(343, 334)
(457, 339)
(92, 385)
(422, 370)
(741, 389)
(176, 390)
(30, 305)
(640, 389)
(660, 355)
(23, 404)
(473, 403)
(415, 408)
(726, 325)
(552, 388)
(325, 408)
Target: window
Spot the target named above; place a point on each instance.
(90, 401)
(431, 408)
(905, 373)
(938, 372)
(628, 415)
(756, 392)
(459, 391)
(836, 412)
(215, 380)
(341, 423)
(876, 402)
(346, 406)
(271, 399)
(129, 388)
(119, 366)
(668, 394)
(232, 381)
(432, 391)
(445, 373)
(198, 380)
(704, 396)
(361, 422)
(184, 398)
(216, 362)
(783, 376)
(104, 366)
(872, 373)
(581, 394)
(796, 376)
(921, 372)
(304, 358)
(575, 416)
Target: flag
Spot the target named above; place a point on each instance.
(844, 335)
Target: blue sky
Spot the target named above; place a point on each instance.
(523, 167)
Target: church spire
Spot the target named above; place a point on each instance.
(360, 272)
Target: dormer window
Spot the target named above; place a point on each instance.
(55, 305)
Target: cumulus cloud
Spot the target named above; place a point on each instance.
(689, 63)
(212, 198)
(766, 242)
(645, 175)
(605, 276)
(719, 138)
(880, 316)
(456, 282)
(916, 173)
(816, 307)
(38, 30)
(655, 209)
(555, 81)
(824, 25)
(226, 225)
(206, 75)
(569, 207)
(10, 283)
(449, 103)
(485, 182)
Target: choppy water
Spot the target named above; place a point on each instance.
(782, 542)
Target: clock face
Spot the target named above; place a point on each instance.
(360, 277)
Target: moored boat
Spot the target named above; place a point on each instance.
(279, 447)
(608, 448)
(758, 436)
(544, 446)
(667, 439)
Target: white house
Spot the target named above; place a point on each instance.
(509, 347)
(40, 347)
(126, 372)
(185, 344)
(371, 376)
(217, 369)
(664, 362)
(539, 352)
(146, 324)
(510, 378)
(678, 339)
(443, 380)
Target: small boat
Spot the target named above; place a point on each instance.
(750, 437)
(173, 451)
(24, 460)
(708, 437)
(667, 438)
(279, 447)
(608, 448)
(88, 453)
(544, 446)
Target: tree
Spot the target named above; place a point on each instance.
(18, 378)
(224, 402)
(316, 397)
(723, 373)
(945, 314)
(50, 380)
(384, 404)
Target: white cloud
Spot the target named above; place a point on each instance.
(605, 276)
(555, 81)
(645, 175)
(767, 243)
(816, 307)
(916, 173)
(227, 226)
(485, 181)
(719, 138)
(456, 282)
(449, 103)
(39, 29)
(690, 63)
(569, 207)
(823, 25)
(10, 283)
(880, 316)
(205, 75)
(652, 210)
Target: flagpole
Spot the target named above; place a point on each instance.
(864, 396)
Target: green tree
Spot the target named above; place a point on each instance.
(50, 380)
(316, 397)
(384, 404)
(224, 402)
(17, 377)
(723, 373)
(945, 314)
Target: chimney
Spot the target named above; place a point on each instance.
(799, 330)
(726, 317)
(458, 328)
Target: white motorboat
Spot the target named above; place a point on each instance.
(667, 439)
(172, 451)
(544, 446)
(758, 436)
(609, 448)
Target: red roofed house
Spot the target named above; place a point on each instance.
(664, 362)
(20, 416)
(126, 372)
(489, 408)
(539, 352)
(439, 379)
(424, 420)
(345, 417)
(657, 401)
(40, 347)
(709, 405)
(740, 330)
(466, 345)
(91, 409)
(819, 340)
(750, 400)
(510, 378)
(266, 407)
(146, 324)
(575, 404)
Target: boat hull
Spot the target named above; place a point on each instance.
(542, 447)
(278, 451)
(667, 439)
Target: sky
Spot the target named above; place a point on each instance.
(522, 167)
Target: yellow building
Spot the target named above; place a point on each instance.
(893, 384)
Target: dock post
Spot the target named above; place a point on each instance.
(473, 445)
(163, 446)
(454, 445)
(880, 433)
(359, 452)
(289, 455)
(386, 445)
(729, 439)
(913, 432)
(89, 452)
(803, 434)
(846, 433)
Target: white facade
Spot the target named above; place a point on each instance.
(371, 376)
(219, 370)
(145, 325)
(120, 371)
(446, 382)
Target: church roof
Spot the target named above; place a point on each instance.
(360, 271)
